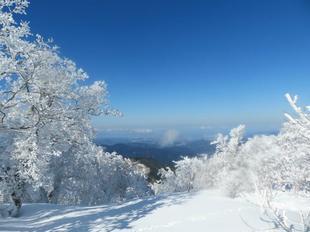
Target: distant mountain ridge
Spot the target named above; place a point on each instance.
(163, 155)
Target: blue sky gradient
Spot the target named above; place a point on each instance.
(176, 64)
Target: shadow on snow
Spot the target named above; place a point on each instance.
(48, 217)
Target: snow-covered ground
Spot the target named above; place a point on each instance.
(202, 211)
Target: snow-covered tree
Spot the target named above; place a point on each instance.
(189, 175)
(295, 141)
(45, 115)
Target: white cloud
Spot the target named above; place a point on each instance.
(142, 130)
(127, 130)
(169, 138)
(204, 127)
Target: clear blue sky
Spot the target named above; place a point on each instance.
(174, 63)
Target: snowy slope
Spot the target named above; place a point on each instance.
(202, 211)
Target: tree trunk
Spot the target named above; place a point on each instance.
(17, 204)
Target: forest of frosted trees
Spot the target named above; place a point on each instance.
(279, 162)
(47, 153)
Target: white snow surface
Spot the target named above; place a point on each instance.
(193, 212)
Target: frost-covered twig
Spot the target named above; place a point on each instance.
(281, 218)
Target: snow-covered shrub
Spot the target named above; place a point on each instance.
(189, 175)
(231, 166)
(97, 178)
(277, 213)
(196, 173)
(107, 177)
